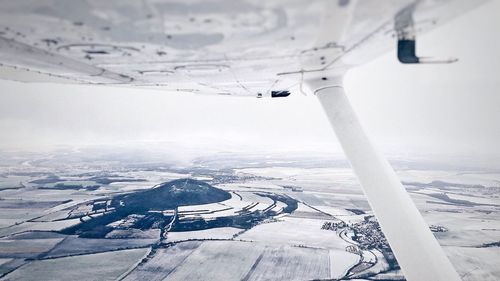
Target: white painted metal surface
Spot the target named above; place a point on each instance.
(223, 47)
(417, 251)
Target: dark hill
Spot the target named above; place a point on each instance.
(167, 196)
(170, 195)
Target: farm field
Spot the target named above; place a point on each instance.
(103, 266)
(227, 219)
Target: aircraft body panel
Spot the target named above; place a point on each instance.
(226, 47)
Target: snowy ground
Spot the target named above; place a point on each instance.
(35, 211)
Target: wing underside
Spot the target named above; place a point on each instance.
(243, 48)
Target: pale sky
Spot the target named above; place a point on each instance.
(412, 109)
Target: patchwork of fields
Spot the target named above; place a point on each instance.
(263, 222)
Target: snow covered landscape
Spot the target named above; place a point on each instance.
(68, 215)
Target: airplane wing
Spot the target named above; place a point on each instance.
(224, 47)
(241, 48)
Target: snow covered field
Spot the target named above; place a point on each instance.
(328, 231)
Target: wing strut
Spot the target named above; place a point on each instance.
(416, 250)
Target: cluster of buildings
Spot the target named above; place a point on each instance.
(369, 235)
(334, 226)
